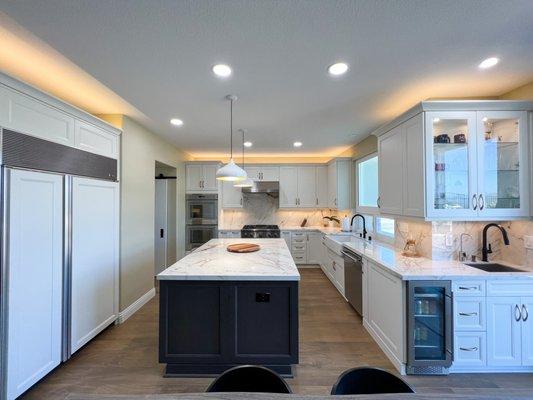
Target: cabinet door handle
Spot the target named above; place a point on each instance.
(378, 201)
(517, 313)
(468, 348)
(241, 201)
(468, 314)
(317, 201)
(468, 287)
(482, 202)
(333, 265)
(474, 202)
(295, 201)
(524, 313)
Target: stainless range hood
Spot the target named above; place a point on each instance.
(269, 187)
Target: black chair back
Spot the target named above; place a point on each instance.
(369, 381)
(249, 378)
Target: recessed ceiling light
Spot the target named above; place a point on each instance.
(338, 69)
(436, 119)
(489, 62)
(222, 70)
(297, 144)
(176, 122)
(247, 144)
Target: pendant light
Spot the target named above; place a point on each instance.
(245, 183)
(231, 171)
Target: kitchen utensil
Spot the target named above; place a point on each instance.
(243, 248)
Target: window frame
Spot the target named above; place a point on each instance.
(383, 236)
(364, 209)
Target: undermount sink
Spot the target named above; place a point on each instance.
(341, 238)
(493, 267)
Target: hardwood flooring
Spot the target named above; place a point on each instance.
(124, 360)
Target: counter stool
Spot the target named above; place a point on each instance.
(369, 381)
(249, 378)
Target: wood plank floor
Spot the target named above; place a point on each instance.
(123, 359)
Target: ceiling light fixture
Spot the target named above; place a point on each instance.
(489, 62)
(245, 182)
(338, 69)
(297, 144)
(231, 171)
(248, 144)
(222, 70)
(176, 122)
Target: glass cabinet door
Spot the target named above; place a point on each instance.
(451, 164)
(502, 163)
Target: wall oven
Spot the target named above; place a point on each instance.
(202, 209)
(201, 220)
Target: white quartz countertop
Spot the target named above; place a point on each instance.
(420, 268)
(322, 229)
(212, 261)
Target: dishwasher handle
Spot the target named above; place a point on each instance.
(354, 257)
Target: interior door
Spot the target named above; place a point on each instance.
(94, 269)
(161, 229)
(35, 273)
(307, 187)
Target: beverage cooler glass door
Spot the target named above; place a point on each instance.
(429, 323)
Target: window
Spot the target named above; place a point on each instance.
(385, 227)
(367, 184)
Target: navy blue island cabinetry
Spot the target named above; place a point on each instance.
(230, 311)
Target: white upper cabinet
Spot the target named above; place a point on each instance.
(231, 195)
(95, 140)
(29, 111)
(322, 186)
(339, 184)
(307, 187)
(263, 173)
(457, 161)
(201, 178)
(288, 187)
(30, 116)
(391, 148)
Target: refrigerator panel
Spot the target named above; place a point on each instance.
(34, 272)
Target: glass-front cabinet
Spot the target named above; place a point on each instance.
(476, 164)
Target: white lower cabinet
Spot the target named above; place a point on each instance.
(504, 331)
(314, 248)
(469, 313)
(527, 331)
(286, 235)
(470, 349)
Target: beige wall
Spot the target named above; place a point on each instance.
(520, 93)
(140, 149)
(365, 147)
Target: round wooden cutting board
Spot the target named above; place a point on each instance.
(243, 248)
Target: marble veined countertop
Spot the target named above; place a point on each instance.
(421, 268)
(273, 262)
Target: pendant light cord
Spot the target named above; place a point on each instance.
(231, 129)
(242, 148)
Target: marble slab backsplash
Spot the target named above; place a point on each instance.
(264, 209)
(441, 240)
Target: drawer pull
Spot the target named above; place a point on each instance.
(468, 314)
(468, 288)
(524, 313)
(468, 348)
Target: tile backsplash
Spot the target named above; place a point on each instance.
(264, 209)
(441, 240)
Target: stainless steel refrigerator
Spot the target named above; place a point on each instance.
(429, 327)
(59, 255)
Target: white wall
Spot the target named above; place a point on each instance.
(140, 149)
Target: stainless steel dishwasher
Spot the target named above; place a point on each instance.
(353, 279)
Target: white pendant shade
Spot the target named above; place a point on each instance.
(231, 172)
(244, 183)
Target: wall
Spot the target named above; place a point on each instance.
(140, 149)
(363, 148)
(521, 93)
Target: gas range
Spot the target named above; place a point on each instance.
(260, 231)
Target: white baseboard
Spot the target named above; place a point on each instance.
(135, 306)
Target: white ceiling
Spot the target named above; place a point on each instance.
(158, 54)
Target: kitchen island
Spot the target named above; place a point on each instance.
(220, 309)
